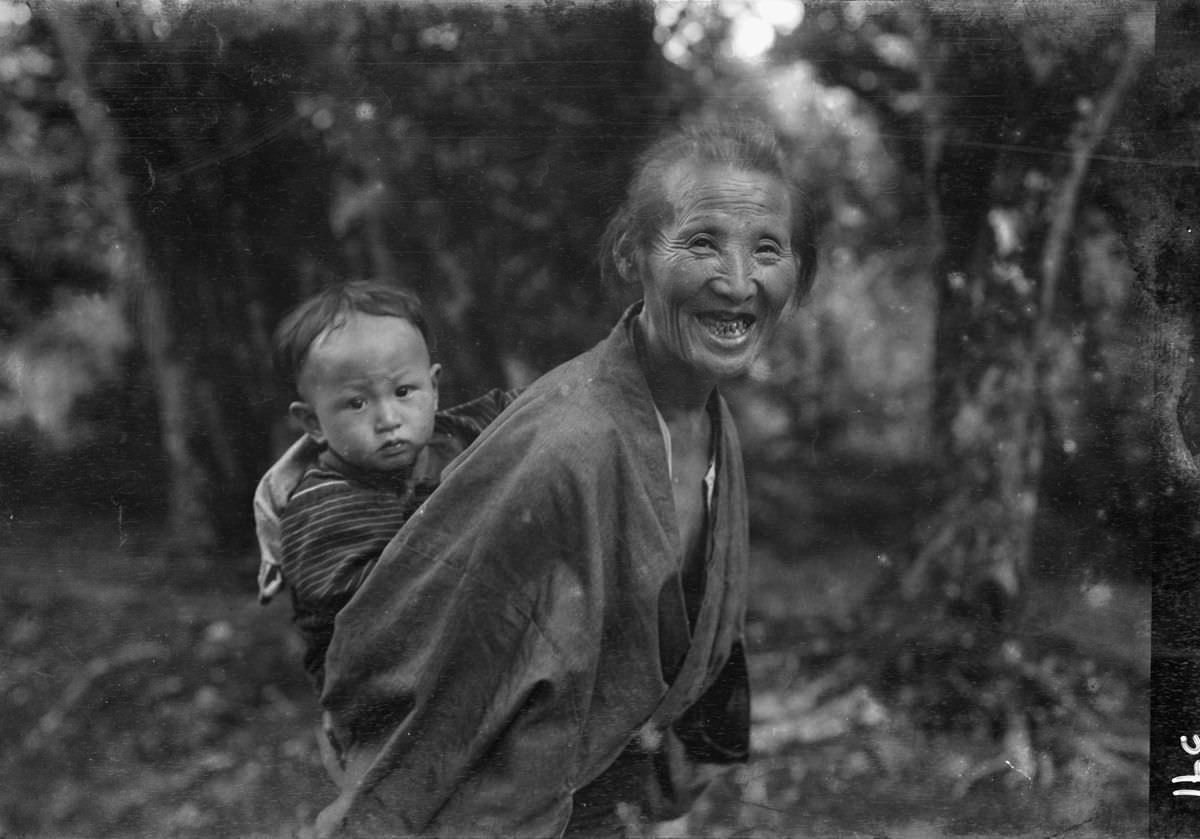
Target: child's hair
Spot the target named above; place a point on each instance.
(328, 309)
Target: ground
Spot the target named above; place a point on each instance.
(145, 695)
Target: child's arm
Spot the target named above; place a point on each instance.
(270, 497)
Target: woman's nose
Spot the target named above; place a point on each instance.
(737, 280)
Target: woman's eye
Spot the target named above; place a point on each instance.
(769, 248)
(702, 242)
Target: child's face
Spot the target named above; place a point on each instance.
(369, 392)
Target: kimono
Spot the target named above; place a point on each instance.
(520, 660)
(335, 525)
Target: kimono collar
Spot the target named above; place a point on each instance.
(629, 322)
(422, 471)
(710, 476)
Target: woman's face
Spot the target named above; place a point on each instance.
(718, 274)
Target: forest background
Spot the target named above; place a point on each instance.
(970, 454)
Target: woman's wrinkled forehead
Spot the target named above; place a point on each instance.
(679, 183)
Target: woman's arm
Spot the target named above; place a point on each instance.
(712, 735)
(456, 677)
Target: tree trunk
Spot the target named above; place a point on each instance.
(1171, 297)
(1175, 523)
(987, 422)
(1001, 223)
(133, 279)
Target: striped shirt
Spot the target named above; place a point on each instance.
(338, 520)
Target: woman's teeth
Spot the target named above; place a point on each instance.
(727, 326)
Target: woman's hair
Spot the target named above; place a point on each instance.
(749, 145)
(329, 309)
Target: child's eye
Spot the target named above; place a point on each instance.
(356, 403)
(403, 391)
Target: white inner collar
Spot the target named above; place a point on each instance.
(710, 477)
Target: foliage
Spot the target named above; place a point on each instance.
(1154, 196)
(152, 712)
(990, 122)
(139, 698)
(472, 151)
(70, 352)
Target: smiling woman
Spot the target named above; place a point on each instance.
(554, 638)
(717, 275)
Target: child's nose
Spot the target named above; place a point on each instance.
(390, 414)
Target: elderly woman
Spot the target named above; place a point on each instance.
(555, 638)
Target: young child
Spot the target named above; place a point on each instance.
(358, 358)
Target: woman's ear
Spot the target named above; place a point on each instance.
(794, 304)
(806, 269)
(625, 256)
(303, 413)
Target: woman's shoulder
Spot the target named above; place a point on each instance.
(572, 416)
(583, 398)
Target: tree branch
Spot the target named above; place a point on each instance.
(130, 274)
(1088, 134)
(1172, 342)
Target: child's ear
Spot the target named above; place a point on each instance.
(303, 413)
(435, 370)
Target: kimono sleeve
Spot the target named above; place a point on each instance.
(333, 534)
(712, 734)
(270, 497)
(457, 676)
(472, 417)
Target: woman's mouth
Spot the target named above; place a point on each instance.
(728, 326)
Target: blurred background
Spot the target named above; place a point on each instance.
(968, 453)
